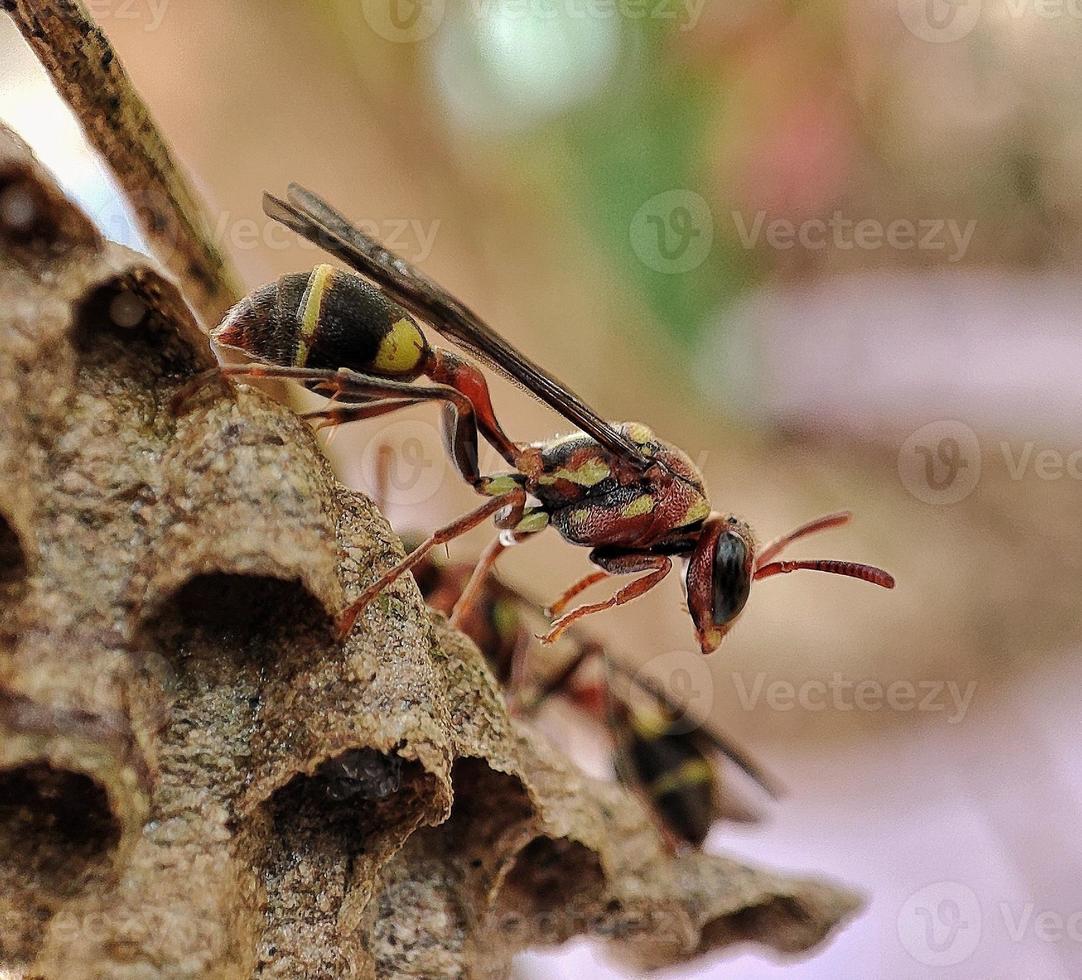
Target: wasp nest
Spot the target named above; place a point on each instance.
(196, 779)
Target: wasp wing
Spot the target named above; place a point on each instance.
(312, 218)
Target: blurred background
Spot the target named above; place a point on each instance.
(830, 249)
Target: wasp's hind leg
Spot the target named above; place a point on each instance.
(342, 412)
(461, 426)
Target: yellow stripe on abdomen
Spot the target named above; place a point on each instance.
(694, 772)
(308, 314)
(401, 349)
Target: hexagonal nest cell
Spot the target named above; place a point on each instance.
(196, 777)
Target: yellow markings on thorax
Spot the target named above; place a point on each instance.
(694, 772)
(401, 348)
(497, 486)
(308, 314)
(698, 511)
(639, 433)
(640, 506)
(589, 473)
(532, 522)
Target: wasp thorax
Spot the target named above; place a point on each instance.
(326, 319)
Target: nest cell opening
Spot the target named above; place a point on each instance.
(489, 808)
(119, 324)
(547, 870)
(219, 616)
(348, 797)
(13, 576)
(27, 216)
(57, 835)
(55, 826)
(774, 917)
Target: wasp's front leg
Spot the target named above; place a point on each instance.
(514, 501)
(518, 525)
(617, 563)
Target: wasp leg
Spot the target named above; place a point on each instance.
(465, 603)
(511, 536)
(514, 501)
(581, 585)
(445, 367)
(517, 681)
(460, 422)
(190, 388)
(344, 412)
(657, 567)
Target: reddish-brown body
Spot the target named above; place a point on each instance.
(617, 489)
(594, 498)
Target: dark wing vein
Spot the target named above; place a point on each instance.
(312, 218)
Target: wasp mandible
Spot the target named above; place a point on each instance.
(636, 501)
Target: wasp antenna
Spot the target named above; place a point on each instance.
(824, 523)
(866, 573)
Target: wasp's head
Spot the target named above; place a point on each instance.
(718, 578)
(725, 561)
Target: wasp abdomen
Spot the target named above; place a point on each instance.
(256, 326)
(326, 319)
(679, 780)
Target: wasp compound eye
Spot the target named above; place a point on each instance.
(732, 577)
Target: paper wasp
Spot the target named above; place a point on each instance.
(673, 765)
(637, 502)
